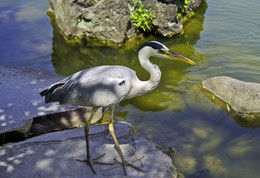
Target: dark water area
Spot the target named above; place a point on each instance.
(223, 38)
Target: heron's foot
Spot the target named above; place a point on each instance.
(91, 162)
(130, 164)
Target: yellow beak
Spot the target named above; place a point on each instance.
(176, 56)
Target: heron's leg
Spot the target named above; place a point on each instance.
(86, 130)
(112, 132)
(124, 163)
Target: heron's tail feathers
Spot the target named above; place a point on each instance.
(52, 94)
(44, 92)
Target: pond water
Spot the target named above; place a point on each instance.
(223, 38)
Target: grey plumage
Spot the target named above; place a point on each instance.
(97, 86)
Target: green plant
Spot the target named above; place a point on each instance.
(140, 16)
(183, 7)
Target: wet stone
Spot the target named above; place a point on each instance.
(55, 155)
(239, 99)
(20, 100)
(23, 111)
(243, 97)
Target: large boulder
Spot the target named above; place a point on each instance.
(110, 21)
(102, 19)
(55, 155)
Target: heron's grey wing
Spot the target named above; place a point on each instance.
(99, 86)
(101, 91)
(52, 93)
(55, 91)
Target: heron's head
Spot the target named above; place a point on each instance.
(157, 49)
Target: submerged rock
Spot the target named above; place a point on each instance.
(110, 21)
(243, 97)
(55, 155)
(240, 99)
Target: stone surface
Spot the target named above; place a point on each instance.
(109, 20)
(55, 154)
(195, 3)
(102, 19)
(165, 21)
(20, 102)
(201, 99)
(241, 100)
(243, 97)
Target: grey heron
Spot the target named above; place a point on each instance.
(105, 86)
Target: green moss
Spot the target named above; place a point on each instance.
(183, 7)
(141, 17)
(215, 166)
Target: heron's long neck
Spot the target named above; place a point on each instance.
(155, 73)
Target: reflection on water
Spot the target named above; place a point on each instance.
(25, 34)
(208, 142)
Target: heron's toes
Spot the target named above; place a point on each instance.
(88, 162)
(93, 161)
(130, 164)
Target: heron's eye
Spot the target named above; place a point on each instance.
(163, 51)
(167, 52)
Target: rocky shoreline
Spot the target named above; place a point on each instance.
(109, 21)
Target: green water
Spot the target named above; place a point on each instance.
(223, 38)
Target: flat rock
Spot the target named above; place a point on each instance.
(243, 97)
(20, 100)
(23, 110)
(55, 155)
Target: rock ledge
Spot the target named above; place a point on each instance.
(109, 20)
(55, 154)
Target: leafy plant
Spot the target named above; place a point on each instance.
(183, 7)
(140, 16)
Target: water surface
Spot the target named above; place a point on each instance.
(223, 38)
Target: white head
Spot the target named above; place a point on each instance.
(157, 49)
